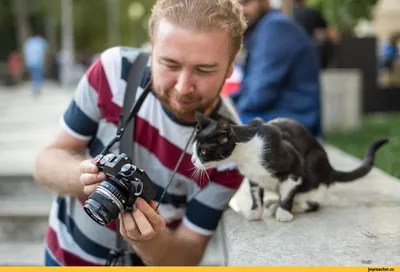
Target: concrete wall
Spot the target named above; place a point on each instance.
(341, 99)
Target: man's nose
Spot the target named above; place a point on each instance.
(184, 83)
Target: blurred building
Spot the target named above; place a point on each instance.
(386, 18)
(385, 23)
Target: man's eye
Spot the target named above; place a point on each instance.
(172, 67)
(201, 71)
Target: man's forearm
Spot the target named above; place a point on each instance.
(171, 251)
(58, 170)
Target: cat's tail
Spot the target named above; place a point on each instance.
(365, 167)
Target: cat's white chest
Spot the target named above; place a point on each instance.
(249, 157)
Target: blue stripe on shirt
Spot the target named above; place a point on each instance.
(95, 147)
(49, 260)
(80, 239)
(203, 216)
(125, 67)
(78, 121)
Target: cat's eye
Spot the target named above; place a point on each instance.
(223, 139)
(202, 151)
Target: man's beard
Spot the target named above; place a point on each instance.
(185, 114)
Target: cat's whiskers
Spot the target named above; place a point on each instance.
(195, 173)
(208, 177)
(199, 173)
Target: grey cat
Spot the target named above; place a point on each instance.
(287, 168)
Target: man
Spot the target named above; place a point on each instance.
(34, 50)
(194, 44)
(389, 53)
(281, 72)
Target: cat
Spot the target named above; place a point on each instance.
(286, 166)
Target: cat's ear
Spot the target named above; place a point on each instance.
(224, 125)
(202, 120)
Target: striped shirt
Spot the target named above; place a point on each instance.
(73, 238)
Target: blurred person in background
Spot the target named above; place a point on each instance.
(15, 68)
(390, 52)
(34, 50)
(281, 70)
(314, 23)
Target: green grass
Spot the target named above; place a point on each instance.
(374, 126)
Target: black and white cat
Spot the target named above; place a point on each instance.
(288, 169)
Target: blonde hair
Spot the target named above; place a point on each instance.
(202, 15)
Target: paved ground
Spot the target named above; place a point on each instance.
(358, 225)
(27, 122)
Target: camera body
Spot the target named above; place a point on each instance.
(118, 193)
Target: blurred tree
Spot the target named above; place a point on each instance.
(89, 22)
(345, 14)
(20, 11)
(7, 30)
(134, 19)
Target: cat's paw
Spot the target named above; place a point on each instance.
(253, 215)
(283, 215)
(270, 210)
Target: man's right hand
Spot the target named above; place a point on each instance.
(90, 176)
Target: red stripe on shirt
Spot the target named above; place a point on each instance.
(168, 154)
(98, 80)
(229, 178)
(63, 256)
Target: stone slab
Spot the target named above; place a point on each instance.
(358, 224)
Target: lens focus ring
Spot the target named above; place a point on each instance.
(114, 190)
(112, 194)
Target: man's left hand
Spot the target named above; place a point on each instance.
(143, 223)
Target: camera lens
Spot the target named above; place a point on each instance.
(104, 205)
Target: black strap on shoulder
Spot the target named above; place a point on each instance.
(125, 131)
(134, 78)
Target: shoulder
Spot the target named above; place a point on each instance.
(278, 23)
(108, 73)
(107, 77)
(274, 18)
(227, 110)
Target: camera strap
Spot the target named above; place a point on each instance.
(125, 136)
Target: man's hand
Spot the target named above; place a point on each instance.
(145, 230)
(90, 176)
(143, 223)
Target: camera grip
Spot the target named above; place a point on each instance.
(149, 191)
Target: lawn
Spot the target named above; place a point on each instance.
(374, 126)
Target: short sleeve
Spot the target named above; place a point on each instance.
(207, 206)
(83, 115)
(99, 94)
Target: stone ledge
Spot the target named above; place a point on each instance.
(356, 225)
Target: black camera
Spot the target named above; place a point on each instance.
(125, 182)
